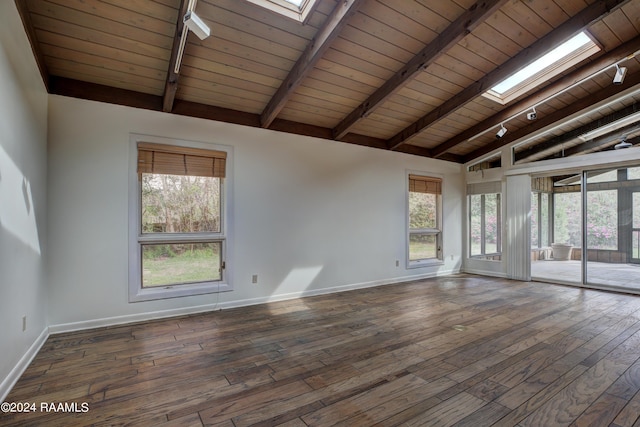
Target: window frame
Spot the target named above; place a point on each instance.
(438, 231)
(287, 9)
(483, 226)
(137, 238)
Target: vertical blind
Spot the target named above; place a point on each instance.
(173, 160)
(425, 184)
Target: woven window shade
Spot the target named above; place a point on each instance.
(425, 184)
(172, 160)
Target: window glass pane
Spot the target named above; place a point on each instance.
(567, 219)
(602, 219)
(544, 219)
(491, 224)
(422, 246)
(633, 173)
(534, 220)
(183, 263)
(608, 176)
(422, 210)
(475, 218)
(180, 204)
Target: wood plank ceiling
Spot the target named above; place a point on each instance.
(397, 75)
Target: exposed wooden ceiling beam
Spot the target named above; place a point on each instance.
(457, 30)
(598, 144)
(25, 16)
(526, 154)
(171, 84)
(577, 23)
(559, 115)
(585, 72)
(332, 27)
(95, 92)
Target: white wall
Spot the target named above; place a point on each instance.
(23, 168)
(309, 215)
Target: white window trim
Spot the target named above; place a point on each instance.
(439, 232)
(287, 9)
(136, 238)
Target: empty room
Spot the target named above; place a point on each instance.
(319, 212)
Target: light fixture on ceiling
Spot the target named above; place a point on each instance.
(618, 79)
(501, 131)
(196, 25)
(623, 144)
(532, 115)
(610, 127)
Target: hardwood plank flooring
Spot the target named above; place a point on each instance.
(460, 350)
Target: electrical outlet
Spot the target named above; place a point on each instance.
(24, 323)
(254, 278)
(397, 263)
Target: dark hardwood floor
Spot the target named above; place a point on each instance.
(461, 350)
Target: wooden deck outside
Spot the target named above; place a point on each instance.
(460, 350)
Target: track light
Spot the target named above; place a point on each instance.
(618, 79)
(532, 115)
(196, 25)
(501, 132)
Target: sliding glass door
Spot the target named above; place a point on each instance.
(595, 230)
(556, 225)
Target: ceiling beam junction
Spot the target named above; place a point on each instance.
(25, 16)
(588, 71)
(314, 51)
(577, 23)
(171, 84)
(576, 107)
(455, 32)
(526, 154)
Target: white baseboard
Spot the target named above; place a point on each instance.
(130, 318)
(486, 273)
(17, 371)
(334, 289)
(141, 317)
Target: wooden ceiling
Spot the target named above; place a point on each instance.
(391, 74)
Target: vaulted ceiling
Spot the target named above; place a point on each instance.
(391, 74)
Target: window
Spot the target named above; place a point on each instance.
(554, 62)
(294, 9)
(540, 219)
(602, 219)
(425, 220)
(179, 224)
(485, 220)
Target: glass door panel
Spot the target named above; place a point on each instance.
(556, 236)
(610, 230)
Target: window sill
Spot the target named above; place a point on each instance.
(177, 291)
(424, 263)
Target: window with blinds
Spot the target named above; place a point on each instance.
(425, 219)
(181, 240)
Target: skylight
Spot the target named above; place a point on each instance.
(544, 68)
(294, 9)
